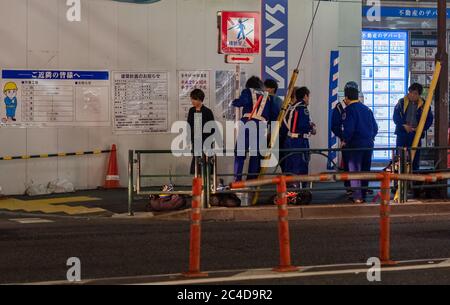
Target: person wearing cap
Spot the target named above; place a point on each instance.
(337, 123)
(407, 115)
(359, 131)
(300, 128)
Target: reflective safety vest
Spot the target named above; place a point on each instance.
(291, 120)
(259, 104)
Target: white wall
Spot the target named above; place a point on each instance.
(170, 35)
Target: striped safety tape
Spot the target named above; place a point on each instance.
(45, 156)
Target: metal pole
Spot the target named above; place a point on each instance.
(138, 178)
(215, 181)
(207, 188)
(130, 182)
(441, 104)
(402, 184)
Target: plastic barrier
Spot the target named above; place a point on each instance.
(385, 208)
(195, 240)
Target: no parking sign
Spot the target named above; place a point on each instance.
(240, 32)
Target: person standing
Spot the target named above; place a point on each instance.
(300, 128)
(407, 115)
(199, 115)
(359, 131)
(337, 125)
(258, 112)
(271, 86)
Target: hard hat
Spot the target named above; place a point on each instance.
(10, 86)
(352, 85)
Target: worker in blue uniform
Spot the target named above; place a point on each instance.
(10, 90)
(337, 123)
(271, 87)
(407, 115)
(258, 111)
(359, 131)
(300, 128)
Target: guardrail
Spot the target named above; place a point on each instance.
(284, 245)
(207, 169)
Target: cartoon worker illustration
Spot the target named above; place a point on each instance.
(241, 35)
(10, 90)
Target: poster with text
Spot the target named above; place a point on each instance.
(50, 98)
(187, 82)
(141, 102)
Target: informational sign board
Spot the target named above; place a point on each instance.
(239, 32)
(141, 102)
(188, 81)
(225, 94)
(384, 81)
(239, 59)
(55, 98)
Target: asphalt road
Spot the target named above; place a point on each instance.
(37, 252)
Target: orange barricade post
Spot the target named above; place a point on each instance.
(195, 240)
(385, 225)
(283, 229)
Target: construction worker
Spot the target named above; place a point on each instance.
(337, 123)
(271, 86)
(359, 131)
(258, 108)
(407, 115)
(10, 90)
(300, 128)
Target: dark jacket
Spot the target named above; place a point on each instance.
(400, 117)
(336, 120)
(360, 127)
(207, 116)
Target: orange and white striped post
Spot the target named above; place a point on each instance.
(195, 239)
(385, 221)
(283, 229)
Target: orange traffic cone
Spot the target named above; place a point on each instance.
(112, 180)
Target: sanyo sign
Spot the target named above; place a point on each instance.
(275, 42)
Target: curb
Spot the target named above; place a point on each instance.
(269, 213)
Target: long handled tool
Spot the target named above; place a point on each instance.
(287, 101)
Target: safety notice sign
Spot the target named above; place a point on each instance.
(240, 32)
(141, 102)
(51, 98)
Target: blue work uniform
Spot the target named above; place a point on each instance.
(405, 139)
(298, 124)
(337, 123)
(11, 106)
(278, 104)
(257, 107)
(360, 130)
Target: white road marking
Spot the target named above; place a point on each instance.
(31, 220)
(267, 274)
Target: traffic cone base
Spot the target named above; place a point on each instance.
(286, 269)
(389, 263)
(195, 275)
